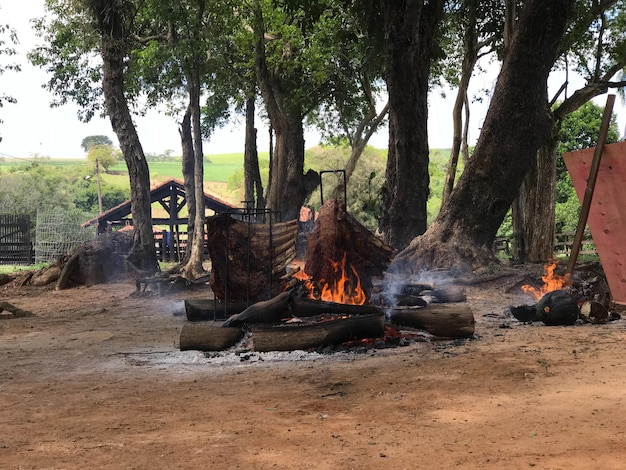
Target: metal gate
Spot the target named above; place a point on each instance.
(15, 243)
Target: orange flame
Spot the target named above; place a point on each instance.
(346, 289)
(551, 282)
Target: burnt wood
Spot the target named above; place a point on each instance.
(209, 309)
(267, 311)
(295, 336)
(309, 307)
(203, 336)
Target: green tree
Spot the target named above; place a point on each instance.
(7, 50)
(94, 140)
(105, 156)
(410, 30)
(298, 48)
(516, 125)
(87, 50)
(579, 130)
(594, 46)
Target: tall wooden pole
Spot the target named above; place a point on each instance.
(591, 184)
(100, 211)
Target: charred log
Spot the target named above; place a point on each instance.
(311, 307)
(96, 262)
(267, 311)
(451, 321)
(557, 308)
(295, 336)
(208, 337)
(14, 312)
(208, 309)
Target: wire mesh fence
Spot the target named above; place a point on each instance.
(59, 232)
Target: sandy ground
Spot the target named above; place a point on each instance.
(96, 380)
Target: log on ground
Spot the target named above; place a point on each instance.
(211, 309)
(445, 294)
(444, 320)
(14, 312)
(203, 336)
(267, 311)
(293, 337)
(304, 307)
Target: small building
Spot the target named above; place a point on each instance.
(172, 198)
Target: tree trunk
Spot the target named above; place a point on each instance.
(469, 61)
(186, 141)
(288, 187)
(517, 124)
(109, 16)
(358, 141)
(409, 31)
(539, 199)
(193, 269)
(252, 174)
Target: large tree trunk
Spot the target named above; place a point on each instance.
(188, 159)
(109, 17)
(539, 200)
(288, 187)
(252, 174)
(193, 269)
(517, 124)
(409, 31)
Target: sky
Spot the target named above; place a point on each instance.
(31, 127)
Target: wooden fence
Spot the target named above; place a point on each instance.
(15, 242)
(562, 244)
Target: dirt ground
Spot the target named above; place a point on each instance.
(96, 380)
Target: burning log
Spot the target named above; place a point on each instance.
(285, 305)
(333, 331)
(451, 321)
(249, 260)
(339, 236)
(594, 312)
(208, 337)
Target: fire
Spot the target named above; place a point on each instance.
(551, 282)
(345, 289)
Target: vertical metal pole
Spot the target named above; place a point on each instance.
(591, 184)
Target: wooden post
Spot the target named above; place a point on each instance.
(591, 184)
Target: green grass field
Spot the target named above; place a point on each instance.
(217, 168)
